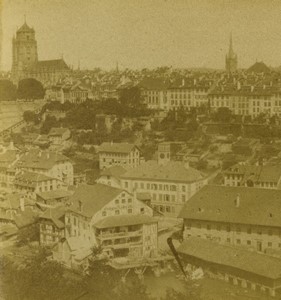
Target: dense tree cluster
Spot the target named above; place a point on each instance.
(41, 278)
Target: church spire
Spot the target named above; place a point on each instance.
(231, 52)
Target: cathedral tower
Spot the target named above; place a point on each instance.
(231, 60)
(24, 51)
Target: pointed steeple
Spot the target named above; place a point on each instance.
(231, 52)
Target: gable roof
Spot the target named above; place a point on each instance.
(56, 215)
(93, 198)
(116, 147)
(259, 67)
(173, 171)
(124, 220)
(217, 203)
(226, 255)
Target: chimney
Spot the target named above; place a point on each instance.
(22, 203)
(183, 82)
(237, 201)
(194, 81)
(40, 153)
(252, 88)
(238, 85)
(80, 205)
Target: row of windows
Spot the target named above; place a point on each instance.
(228, 228)
(155, 186)
(164, 208)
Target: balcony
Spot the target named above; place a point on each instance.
(125, 234)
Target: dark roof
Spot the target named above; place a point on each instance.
(116, 147)
(25, 28)
(238, 258)
(59, 64)
(93, 197)
(217, 203)
(154, 83)
(115, 171)
(124, 220)
(259, 67)
(172, 171)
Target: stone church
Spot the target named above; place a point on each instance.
(26, 64)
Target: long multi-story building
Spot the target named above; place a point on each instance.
(260, 176)
(239, 216)
(169, 185)
(119, 154)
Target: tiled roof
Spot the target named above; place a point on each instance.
(93, 198)
(124, 220)
(116, 147)
(217, 204)
(230, 256)
(115, 171)
(173, 172)
(38, 159)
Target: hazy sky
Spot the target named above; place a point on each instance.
(147, 33)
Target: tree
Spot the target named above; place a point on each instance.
(223, 115)
(8, 90)
(28, 234)
(48, 124)
(30, 117)
(30, 88)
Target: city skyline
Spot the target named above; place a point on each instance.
(147, 34)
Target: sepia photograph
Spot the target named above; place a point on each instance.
(140, 149)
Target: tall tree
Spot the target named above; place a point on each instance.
(8, 90)
(30, 88)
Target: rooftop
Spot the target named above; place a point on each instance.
(173, 171)
(124, 220)
(93, 198)
(257, 206)
(116, 147)
(231, 256)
